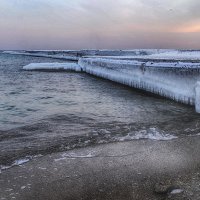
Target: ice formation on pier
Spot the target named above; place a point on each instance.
(167, 55)
(177, 55)
(176, 81)
(54, 66)
(174, 74)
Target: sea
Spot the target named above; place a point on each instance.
(46, 112)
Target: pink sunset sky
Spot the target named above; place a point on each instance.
(99, 24)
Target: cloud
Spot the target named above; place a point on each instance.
(97, 23)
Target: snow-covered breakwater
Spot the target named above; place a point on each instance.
(74, 55)
(46, 54)
(175, 80)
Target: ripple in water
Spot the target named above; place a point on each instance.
(43, 112)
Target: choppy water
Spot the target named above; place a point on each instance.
(44, 112)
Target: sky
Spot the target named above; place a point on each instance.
(99, 24)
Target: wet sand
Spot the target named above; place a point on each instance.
(142, 169)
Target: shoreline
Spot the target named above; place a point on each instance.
(124, 170)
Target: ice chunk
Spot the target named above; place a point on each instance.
(21, 161)
(176, 191)
(70, 66)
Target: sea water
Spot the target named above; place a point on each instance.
(45, 112)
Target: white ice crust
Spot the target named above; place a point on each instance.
(53, 66)
(175, 54)
(164, 55)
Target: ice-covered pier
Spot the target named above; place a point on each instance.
(175, 80)
(172, 74)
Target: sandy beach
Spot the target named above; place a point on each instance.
(142, 169)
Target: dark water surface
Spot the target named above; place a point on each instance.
(44, 112)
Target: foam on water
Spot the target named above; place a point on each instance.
(15, 163)
(151, 133)
(65, 156)
(18, 162)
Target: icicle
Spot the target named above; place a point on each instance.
(161, 78)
